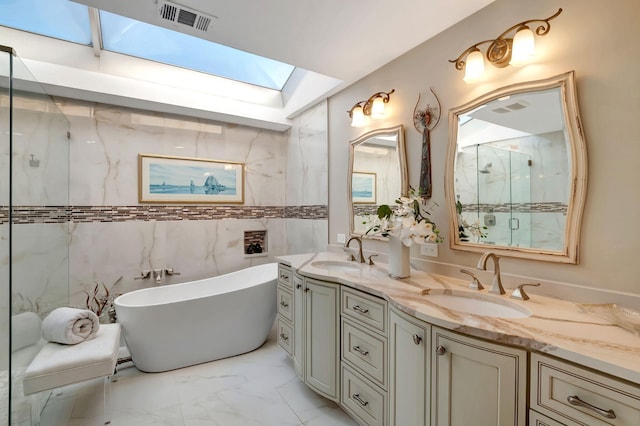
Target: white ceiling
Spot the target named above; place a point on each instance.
(343, 40)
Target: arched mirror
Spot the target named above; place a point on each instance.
(516, 171)
(377, 174)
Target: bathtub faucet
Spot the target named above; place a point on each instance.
(170, 271)
(143, 275)
(157, 275)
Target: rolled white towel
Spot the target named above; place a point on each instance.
(25, 330)
(70, 326)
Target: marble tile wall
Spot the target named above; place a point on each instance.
(111, 238)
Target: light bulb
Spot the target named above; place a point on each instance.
(377, 108)
(524, 47)
(474, 67)
(357, 117)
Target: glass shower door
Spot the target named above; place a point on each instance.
(34, 191)
(5, 290)
(520, 221)
(504, 195)
(494, 193)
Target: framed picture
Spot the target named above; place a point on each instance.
(363, 188)
(164, 179)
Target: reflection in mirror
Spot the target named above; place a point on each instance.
(516, 171)
(377, 174)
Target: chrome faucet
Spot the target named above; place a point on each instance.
(496, 284)
(359, 247)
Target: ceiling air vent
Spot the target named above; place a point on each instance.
(516, 106)
(181, 15)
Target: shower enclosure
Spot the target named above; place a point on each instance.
(498, 195)
(34, 222)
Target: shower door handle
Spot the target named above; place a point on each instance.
(514, 223)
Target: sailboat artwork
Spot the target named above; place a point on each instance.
(190, 180)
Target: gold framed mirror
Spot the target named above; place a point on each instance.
(377, 174)
(516, 171)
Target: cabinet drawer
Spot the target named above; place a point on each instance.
(285, 276)
(285, 336)
(365, 351)
(285, 303)
(577, 396)
(537, 419)
(362, 399)
(365, 309)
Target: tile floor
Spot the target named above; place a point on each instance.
(258, 388)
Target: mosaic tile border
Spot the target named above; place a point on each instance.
(550, 207)
(87, 214)
(365, 209)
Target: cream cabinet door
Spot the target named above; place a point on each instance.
(321, 313)
(475, 382)
(409, 342)
(298, 325)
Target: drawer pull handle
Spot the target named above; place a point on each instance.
(441, 350)
(357, 308)
(356, 396)
(417, 339)
(298, 285)
(284, 277)
(284, 336)
(359, 349)
(574, 400)
(306, 289)
(284, 304)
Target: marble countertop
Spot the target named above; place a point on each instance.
(555, 327)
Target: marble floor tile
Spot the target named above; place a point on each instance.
(258, 388)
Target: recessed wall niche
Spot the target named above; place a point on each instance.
(255, 243)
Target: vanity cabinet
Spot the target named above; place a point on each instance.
(573, 395)
(364, 357)
(308, 329)
(537, 419)
(285, 302)
(290, 320)
(384, 366)
(474, 382)
(321, 337)
(409, 372)
(298, 325)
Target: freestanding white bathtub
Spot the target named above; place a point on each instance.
(178, 325)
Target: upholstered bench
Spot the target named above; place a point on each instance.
(59, 365)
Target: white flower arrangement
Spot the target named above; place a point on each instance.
(465, 228)
(408, 222)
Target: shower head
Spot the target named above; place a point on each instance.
(486, 168)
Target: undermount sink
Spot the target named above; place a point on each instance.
(477, 304)
(336, 265)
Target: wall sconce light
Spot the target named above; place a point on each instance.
(504, 50)
(373, 107)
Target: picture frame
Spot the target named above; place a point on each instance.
(168, 179)
(363, 188)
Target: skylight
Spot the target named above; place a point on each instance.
(60, 19)
(69, 21)
(135, 38)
